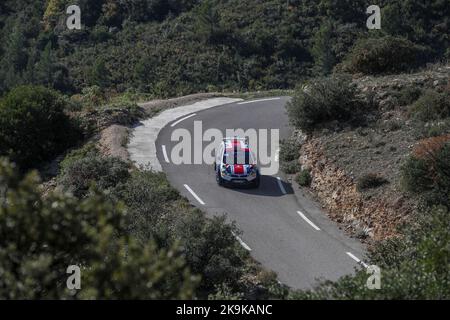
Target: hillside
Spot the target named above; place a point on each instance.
(180, 47)
(370, 109)
(341, 157)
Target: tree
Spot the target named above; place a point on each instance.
(41, 237)
(14, 60)
(33, 126)
(322, 49)
(45, 66)
(55, 8)
(208, 21)
(99, 74)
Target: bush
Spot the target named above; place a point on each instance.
(150, 199)
(427, 171)
(384, 55)
(158, 212)
(416, 267)
(408, 95)
(34, 127)
(211, 250)
(370, 181)
(41, 237)
(290, 167)
(106, 173)
(431, 106)
(289, 150)
(304, 178)
(324, 100)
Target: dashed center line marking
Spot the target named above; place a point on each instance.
(166, 158)
(242, 243)
(309, 221)
(280, 184)
(182, 119)
(351, 255)
(260, 100)
(194, 194)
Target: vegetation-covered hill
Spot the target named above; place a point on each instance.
(58, 87)
(176, 47)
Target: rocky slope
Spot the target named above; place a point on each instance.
(338, 159)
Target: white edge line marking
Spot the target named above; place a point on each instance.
(182, 119)
(351, 255)
(309, 221)
(280, 184)
(242, 243)
(260, 100)
(194, 194)
(166, 158)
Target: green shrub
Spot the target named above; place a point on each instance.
(157, 212)
(149, 198)
(34, 127)
(438, 129)
(370, 181)
(89, 149)
(408, 95)
(289, 150)
(384, 55)
(432, 105)
(211, 249)
(429, 177)
(78, 176)
(324, 100)
(41, 237)
(412, 268)
(291, 167)
(304, 178)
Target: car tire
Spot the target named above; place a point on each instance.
(257, 181)
(219, 179)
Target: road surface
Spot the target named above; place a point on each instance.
(286, 234)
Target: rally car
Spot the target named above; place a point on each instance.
(235, 164)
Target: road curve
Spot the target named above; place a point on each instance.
(292, 237)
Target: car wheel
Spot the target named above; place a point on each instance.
(257, 181)
(219, 179)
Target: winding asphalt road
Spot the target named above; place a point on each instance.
(287, 234)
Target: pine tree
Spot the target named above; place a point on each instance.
(14, 60)
(99, 74)
(322, 49)
(208, 21)
(44, 68)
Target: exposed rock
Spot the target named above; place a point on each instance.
(374, 217)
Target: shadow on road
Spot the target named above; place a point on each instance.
(269, 187)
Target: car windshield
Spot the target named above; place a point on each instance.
(238, 157)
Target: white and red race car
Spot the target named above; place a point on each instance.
(235, 164)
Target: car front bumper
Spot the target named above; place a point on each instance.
(239, 180)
